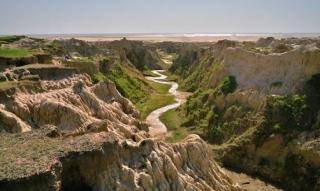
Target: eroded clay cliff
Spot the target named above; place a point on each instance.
(81, 136)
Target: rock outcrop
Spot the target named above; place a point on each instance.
(53, 72)
(106, 161)
(72, 104)
(87, 137)
(275, 73)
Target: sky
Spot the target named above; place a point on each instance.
(158, 16)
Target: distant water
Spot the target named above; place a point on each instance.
(179, 35)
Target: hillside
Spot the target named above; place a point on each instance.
(257, 103)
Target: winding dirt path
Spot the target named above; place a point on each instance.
(157, 128)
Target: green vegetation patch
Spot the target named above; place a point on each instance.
(228, 85)
(53, 48)
(154, 102)
(9, 39)
(129, 84)
(171, 76)
(145, 95)
(276, 84)
(14, 53)
(149, 73)
(82, 59)
(173, 120)
(287, 112)
(97, 77)
(281, 48)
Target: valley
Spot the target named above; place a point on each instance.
(159, 121)
(140, 115)
(157, 128)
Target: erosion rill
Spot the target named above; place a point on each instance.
(71, 134)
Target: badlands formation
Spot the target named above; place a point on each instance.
(80, 136)
(258, 103)
(77, 132)
(72, 114)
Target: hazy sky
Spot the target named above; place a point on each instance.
(159, 16)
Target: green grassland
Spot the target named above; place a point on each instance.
(174, 120)
(155, 100)
(14, 53)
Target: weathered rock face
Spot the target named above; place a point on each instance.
(275, 73)
(148, 165)
(73, 104)
(53, 73)
(83, 66)
(294, 165)
(6, 62)
(106, 161)
(137, 54)
(80, 136)
(44, 58)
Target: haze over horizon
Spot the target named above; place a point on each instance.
(152, 16)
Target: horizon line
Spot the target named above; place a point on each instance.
(167, 33)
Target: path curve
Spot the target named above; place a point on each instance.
(157, 128)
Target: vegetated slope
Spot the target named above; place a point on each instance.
(87, 137)
(260, 101)
(124, 62)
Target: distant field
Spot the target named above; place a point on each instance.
(8, 39)
(14, 53)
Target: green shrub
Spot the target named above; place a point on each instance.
(216, 133)
(281, 48)
(286, 112)
(53, 48)
(228, 85)
(97, 78)
(313, 93)
(105, 65)
(276, 84)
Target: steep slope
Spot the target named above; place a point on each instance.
(260, 105)
(71, 104)
(84, 136)
(123, 62)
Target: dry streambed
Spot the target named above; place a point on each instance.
(159, 130)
